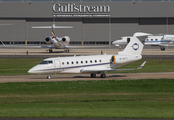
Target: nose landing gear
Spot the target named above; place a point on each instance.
(49, 76)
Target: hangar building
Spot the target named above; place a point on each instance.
(94, 21)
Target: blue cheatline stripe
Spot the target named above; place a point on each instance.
(158, 41)
(77, 66)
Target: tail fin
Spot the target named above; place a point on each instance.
(53, 33)
(134, 47)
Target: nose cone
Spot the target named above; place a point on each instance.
(36, 70)
(31, 71)
(114, 42)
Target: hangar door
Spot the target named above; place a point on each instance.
(12, 29)
(96, 29)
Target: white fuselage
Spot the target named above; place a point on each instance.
(77, 64)
(122, 41)
(159, 40)
(59, 44)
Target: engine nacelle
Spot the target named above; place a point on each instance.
(113, 59)
(48, 39)
(65, 39)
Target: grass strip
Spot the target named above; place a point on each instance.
(89, 99)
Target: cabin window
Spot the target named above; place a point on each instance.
(72, 62)
(151, 39)
(156, 39)
(62, 63)
(67, 63)
(100, 61)
(86, 61)
(95, 61)
(81, 62)
(90, 61)
(76, 62)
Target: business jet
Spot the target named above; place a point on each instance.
(93, 64)
(123, 41)
(57, 42)
(161, 41)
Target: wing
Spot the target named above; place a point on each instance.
(166, 45)
(99, 71)
(52, 27)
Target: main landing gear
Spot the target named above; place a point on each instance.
(103, 75)
(66, 50)
(50, 50)
(162, 48)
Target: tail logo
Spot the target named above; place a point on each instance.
(135, 46)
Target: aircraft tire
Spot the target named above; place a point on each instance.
(49, 77)
(50, 50)
(93, 75)
(103, 75)
(162, 49)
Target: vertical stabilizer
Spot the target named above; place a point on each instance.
(134, 47)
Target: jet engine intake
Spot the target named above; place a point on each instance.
(48, 39)
(65, 39)
(113, 59)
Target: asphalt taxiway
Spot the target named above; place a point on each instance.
(76, 77)
(41, 53)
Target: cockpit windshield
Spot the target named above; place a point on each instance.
(46, 62)
(120, 38)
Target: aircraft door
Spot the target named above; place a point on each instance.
(57, 65)
(128, 40)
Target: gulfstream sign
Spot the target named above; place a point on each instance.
(73, 8)
(67, 10)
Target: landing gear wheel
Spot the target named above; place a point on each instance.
(162, 48)
(67, 50)
(93, 75)
(50, 50)
(103, 75)
(49, 76)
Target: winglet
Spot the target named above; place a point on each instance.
(142, 65)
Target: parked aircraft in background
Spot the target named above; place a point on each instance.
(93, 64)
(123, 41)
(161, 41)
(57, 42)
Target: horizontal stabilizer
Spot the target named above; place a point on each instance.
(86, 46)
(52, 27)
